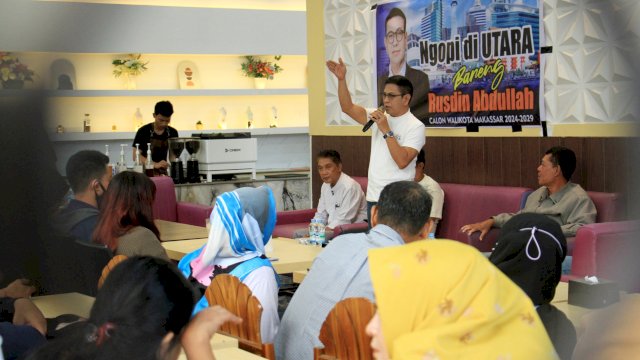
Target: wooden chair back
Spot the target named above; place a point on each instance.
(228, 292)
(110, 265)
(343, 331)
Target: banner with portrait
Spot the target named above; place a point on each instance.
(471, 62)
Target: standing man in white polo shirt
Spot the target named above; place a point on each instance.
(397, 136)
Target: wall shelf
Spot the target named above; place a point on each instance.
(174, 92)
(128, 136)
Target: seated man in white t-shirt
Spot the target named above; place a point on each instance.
(433, 189)
(396, 135)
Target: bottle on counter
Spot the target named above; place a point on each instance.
(122, 165)
(86, 123)
(137, 166)
(112, 169)
(148, 167)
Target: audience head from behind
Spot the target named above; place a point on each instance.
(530, 250)
(556, 167)
(128, 203)
(443, 300)
(329, 166)
(404, 206)
(89, 176)
(139, 313)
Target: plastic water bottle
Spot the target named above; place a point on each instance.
(312, 232)
(432, 236)
(320, 234)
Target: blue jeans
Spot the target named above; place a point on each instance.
(369, 206)
(566, 265)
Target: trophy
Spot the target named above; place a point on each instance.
(193, 172)
(176, 146)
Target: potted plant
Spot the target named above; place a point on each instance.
(13, 73)
(260, 70)
(129, 67)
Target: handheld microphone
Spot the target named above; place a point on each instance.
(370, 122)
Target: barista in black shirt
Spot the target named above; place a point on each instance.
(157, 133)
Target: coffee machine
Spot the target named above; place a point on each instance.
(176, 146)
(193, 172)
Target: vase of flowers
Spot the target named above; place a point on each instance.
(129, 68)
(260, 70)
(13, 73)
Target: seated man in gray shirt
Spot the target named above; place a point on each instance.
(342, 271)
(558, 198)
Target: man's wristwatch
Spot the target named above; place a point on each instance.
(389, 134)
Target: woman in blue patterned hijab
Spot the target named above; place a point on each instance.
(242, 222)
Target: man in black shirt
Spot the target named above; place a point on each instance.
(157, 134)
(89, 175)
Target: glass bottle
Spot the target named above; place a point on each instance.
(112, 168)
(86, 123)
(137, 119)
(122, 165)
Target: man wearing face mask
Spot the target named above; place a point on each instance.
(88, 175)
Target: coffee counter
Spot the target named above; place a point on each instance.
(291, 188)
(278, 148)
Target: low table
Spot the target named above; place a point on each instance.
(173, 231)
(286, 255)
(573, 312)
(68, 303)
(299, 275)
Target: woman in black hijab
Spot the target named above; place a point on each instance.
(530, 251)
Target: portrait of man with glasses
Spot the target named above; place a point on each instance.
(395, 42)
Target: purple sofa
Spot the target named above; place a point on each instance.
(467, 204)
(166, 207)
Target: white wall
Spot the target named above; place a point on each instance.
(27, 25)
(589, 77)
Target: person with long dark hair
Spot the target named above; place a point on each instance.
(126, 217)
(140, 313)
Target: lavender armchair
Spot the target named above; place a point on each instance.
(609, 250)
(166, 206)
